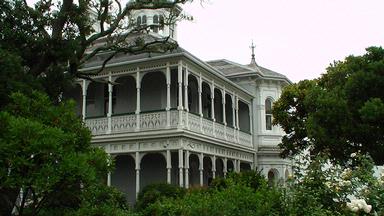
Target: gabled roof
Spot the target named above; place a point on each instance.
(233, 69)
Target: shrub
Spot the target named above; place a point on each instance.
(154, 192)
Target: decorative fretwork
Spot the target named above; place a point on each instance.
(97, 125)
(123, 123)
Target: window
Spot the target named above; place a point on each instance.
(268, 114)
(144, 19)
(138, 21)
(155, 23)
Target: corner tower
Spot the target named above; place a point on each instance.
(159, 22)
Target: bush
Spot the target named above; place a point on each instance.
(154, 192)
(252, 179)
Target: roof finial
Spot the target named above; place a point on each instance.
(253, 61)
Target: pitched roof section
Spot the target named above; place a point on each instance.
(231, 69)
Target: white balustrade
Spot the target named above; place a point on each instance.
(219, 131)
(194, 122)
(123, 123)
(97, 125)
(230, 134)
(158, 120)
(207, 127)
(151, 121)
(245, 139)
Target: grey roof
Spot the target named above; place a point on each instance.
(230, 69)
(225, 67)
(99, 59)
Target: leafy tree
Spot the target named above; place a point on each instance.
(46, 160)
(55, 36)
(340, 113)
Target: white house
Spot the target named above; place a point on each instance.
(174, 118)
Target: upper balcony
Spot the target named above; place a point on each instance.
(161, 120)
(162, 97)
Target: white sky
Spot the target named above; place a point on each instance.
(298, 38)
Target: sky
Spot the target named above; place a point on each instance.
(297, 38)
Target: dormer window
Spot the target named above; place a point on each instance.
(144, 20)
(268, 114)
(138, 21)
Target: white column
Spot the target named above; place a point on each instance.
(180, 84)
(109, 179)
(138, 86)
(181, 178)
(201, 168)
(180, 99)
(233, 111)
(213, 107)
(186, 73)
(238, 166)
(225, 170)
(137, 168)
(213, 166)
(109, 175)
(186, 106)
(84, 88)
(169, 166)
(186, 168)
(213, 100)
(168, 77)
(109, 114)
(200, 103)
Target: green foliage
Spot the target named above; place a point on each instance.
(154, 192)
(338, 114)
(239, 194)
(251, 179)
(102, 200)
(46, 158)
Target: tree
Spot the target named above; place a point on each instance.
(46, 159)
(338, 114)
(51, 39)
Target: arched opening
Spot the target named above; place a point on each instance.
(75, 93)
(273, 176)
(230, 166)
(206, 100)
(153, 169)
(219, 168)
(138, 21)
(144, 20)
(97, 99)
(207, 166)
(123, 176)
(245, 167)
(125, 95)
(218, 99)
(268, 114)
(175, 168)
(244, 120)
(193, 95)
(228, 110)
(153, 92)
(194, 174)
